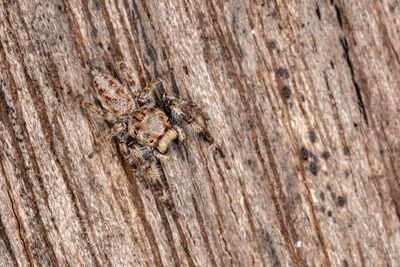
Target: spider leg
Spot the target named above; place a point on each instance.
(194, 125)
(167, 197)
(131, 159)
(181, 134)
(95, 109)
(129, 75)
(146, 91)
(182, 102)
(154, 175)
(117, 128)
(159, 155)
(135, 161)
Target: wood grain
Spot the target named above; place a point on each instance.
(302, 96)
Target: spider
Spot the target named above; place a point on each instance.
(145, 128)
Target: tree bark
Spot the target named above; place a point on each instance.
(302, 96)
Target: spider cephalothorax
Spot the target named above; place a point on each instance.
(148, 125)
(146, 129)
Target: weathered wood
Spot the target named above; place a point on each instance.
(303, 97)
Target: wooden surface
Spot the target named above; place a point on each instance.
(303, 97)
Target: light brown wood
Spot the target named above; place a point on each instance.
(303, 97)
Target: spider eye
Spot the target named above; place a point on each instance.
(151, 141)
(147, 135)
(136, 131)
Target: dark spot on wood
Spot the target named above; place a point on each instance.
(339, 16)
(313, 168)
(267, 244)
(312, 136)
(304, 154)
(332, 65)
(360, 102)
(318, 12)
(323, 209)
(297, 200)
(4, 101)
(346, 151)
(164, 54)
(356, 125)
(328, 187)
(250, 162)
(322, 195)
(97, 4)
(333, 196)
(345, 264)
(284, 73)
(302, 98)
(286, 92)
(272, 44)
(329, 213)
(325, 155)
(185, 69)
(341, 201)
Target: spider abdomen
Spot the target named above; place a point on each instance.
(113, 95)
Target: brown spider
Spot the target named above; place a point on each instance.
(146, 129)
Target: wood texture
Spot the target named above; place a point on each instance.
(303, 97)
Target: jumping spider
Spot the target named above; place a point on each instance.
(145, 128)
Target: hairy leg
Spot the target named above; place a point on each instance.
(129, 76)
(182, 101)
(194, 125)
(154, 175)
(181, 134)
(95, 109)
(127, 155)
(133, 80)
(117, 128)
(160, 155)
(146, 91)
